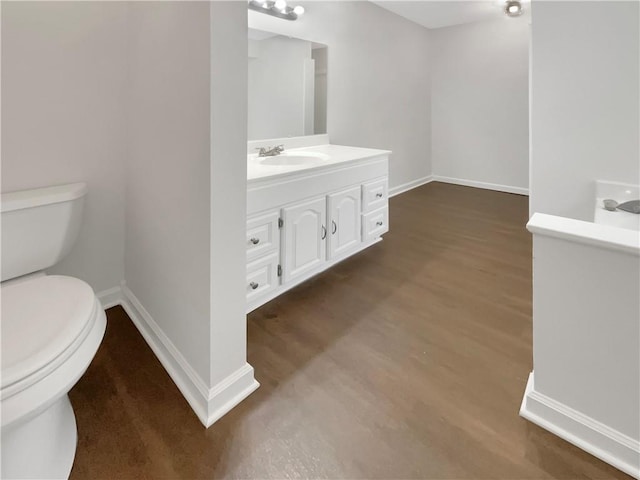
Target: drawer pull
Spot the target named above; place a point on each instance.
(335, 228)
(379, 195)
(324, 232)
(379, 224)
(255, 241)
(254, 285)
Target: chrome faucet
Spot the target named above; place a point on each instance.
(270, 152)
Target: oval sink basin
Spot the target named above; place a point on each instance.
(307, 158)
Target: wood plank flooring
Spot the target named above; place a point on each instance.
(407, 361)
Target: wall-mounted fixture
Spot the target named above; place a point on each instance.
(513, 8)
(277, 8)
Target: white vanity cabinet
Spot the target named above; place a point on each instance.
(303, 222)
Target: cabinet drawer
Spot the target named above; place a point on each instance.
(375, 224)
(374, 195)
(262, 277)
(263, 235)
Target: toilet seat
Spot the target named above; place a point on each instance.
(51, 328)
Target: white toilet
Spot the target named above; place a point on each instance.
(51, 327)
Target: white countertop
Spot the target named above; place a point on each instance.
(589, 233)
(334, 155)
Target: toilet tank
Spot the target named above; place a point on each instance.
(39, 227)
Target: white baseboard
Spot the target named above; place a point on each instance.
(209, 404)
(405, 187)
(110, 298)
(230, 392)
(193, 388)
(584, 432)
(485, 185)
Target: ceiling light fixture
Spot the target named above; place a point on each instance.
(277, 8)
(513, 8)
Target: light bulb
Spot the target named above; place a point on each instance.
(281, 5)
(513, 8)
(299, 10)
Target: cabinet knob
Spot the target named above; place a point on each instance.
(255, 241)
(379, 224)
(254, 285)
(379, 195)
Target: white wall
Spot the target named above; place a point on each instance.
(167, 240)
(63, 85)
(228, 114)
(586, 340)
(277, 87)
(378, 82)
(320, 91)
(186, 195)
(479, 103)
(585, 102)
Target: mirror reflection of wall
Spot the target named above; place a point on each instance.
(287, 86)
(319, 55)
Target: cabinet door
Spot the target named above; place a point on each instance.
(305, 236)
(343, 222)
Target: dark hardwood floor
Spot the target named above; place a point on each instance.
(408, 360)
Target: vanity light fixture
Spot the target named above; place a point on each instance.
(277, 8)
(513, 8)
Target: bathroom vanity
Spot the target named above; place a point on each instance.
(309, 208)
(312, 204)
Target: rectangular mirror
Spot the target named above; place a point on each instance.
(287, 86)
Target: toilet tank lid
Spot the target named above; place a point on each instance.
(42, 196)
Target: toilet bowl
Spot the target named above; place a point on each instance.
(51, 328)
